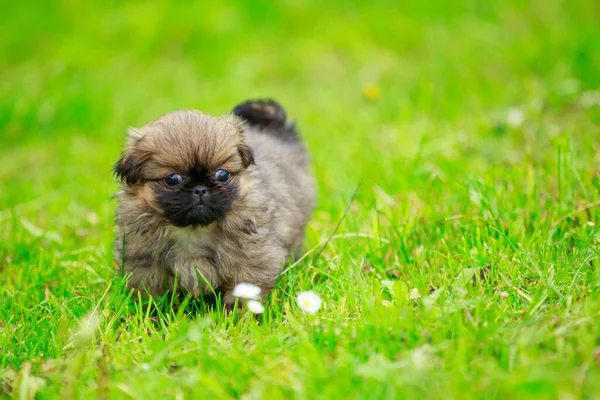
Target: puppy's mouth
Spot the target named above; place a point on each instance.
(202, 215)
(196, 214)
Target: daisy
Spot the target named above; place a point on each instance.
(246, 291)
(86, 332)
(515, 117)
(255, 306)
(309, 301)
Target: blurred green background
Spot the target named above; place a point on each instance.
(76, 74)
(474, 126)
(390, 92)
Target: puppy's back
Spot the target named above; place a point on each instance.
(282, 162)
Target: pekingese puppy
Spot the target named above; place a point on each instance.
(207, 203)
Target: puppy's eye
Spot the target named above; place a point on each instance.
(222, 175)
(173, 180)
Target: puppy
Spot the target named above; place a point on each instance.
(207, 203)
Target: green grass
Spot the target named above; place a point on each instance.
(495, 225)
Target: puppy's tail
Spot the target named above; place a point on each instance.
(268, 116)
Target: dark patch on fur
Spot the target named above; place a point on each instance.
(246, 154)
(267, 115)
(249, 227)
(214, 259)
(127, 170)
(140, 259)
(183, 208)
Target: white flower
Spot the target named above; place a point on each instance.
(414, 294)
(246, 291)
(421, 357)
(309, 301)
(255, 306)
(86, 332)
(515, 117)
(590, 99)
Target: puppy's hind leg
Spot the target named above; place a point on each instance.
(267, 115)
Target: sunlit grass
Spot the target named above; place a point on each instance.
(466, 266)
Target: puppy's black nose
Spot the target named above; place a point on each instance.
(200, 190)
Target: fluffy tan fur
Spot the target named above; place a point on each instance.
(265, 223)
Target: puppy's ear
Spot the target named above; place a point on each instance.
(246, 154)
(129, 167)
(244, 150)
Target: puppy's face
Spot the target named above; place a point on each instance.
(186, 166)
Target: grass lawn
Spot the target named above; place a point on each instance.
(467, 265)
